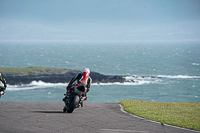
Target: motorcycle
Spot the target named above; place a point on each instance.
(1, 93)
(73, 98)
(2, 87)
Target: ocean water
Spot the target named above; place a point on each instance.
(176, 63)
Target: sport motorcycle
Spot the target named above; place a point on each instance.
(2, 86)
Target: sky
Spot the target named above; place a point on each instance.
(99, 20)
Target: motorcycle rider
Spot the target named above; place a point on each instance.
(2, 85)
(82, 81)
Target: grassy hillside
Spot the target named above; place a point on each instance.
(32, 70)
(182, 114)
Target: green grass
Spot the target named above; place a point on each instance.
(182, 114)
(25, 71)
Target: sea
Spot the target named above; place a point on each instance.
(176, 64)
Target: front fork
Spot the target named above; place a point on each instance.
(66, 100)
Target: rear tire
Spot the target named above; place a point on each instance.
(73, 104)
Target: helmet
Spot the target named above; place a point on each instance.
(86, 74)
(87, 70)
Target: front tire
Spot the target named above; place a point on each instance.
(73, 104)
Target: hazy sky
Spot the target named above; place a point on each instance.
(100, 20)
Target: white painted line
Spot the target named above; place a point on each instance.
(119, 130)
(122, 109)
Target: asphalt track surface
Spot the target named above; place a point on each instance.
(48, 117)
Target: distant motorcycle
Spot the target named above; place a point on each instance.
(1, 87)
(1, 93)
(74, 98)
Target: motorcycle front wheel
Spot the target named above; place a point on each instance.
(73, 104)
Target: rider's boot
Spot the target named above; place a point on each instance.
(84, 98)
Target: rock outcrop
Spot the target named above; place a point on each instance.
(61, 76)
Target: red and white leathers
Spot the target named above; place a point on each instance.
(81, 80)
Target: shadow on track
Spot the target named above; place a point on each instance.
(49, 112)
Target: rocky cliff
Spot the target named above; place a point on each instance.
(56, 76)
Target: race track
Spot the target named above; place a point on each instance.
(47, 117)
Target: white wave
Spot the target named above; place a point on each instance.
(136, 82)
(17, 88)
(195, 64)
(41, 83)
(115, 83)
(129, 78)
(33, 85)
(178, 76)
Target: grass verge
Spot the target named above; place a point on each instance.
(27, 70)
(182, 114)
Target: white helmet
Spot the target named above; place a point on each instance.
(87, 70)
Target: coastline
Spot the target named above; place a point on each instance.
(53, 75)
(20, 76)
